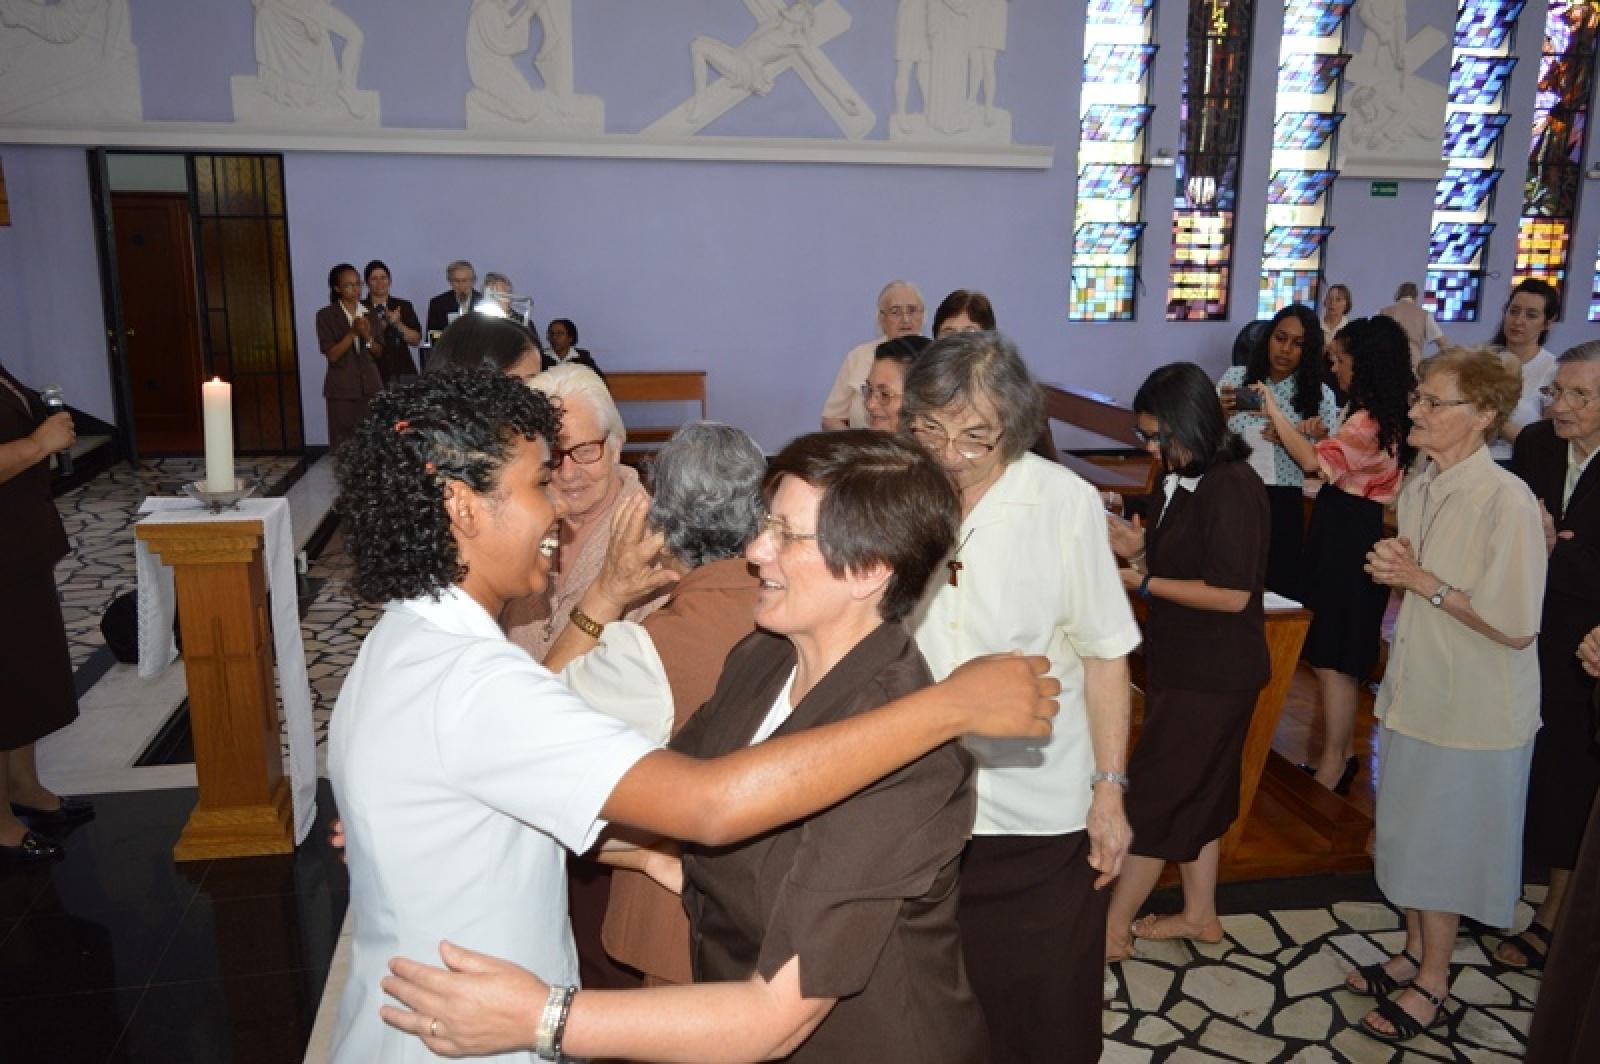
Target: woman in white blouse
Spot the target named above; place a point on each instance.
(1524, 325)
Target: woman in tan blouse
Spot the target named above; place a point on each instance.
(1460, 698)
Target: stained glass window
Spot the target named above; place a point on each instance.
(1311, 63)
(1481, 66)
(1118, 46)
(1211, 124)
(1555, 158)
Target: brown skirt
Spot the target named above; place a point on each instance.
(1184, 774)
(38, 696)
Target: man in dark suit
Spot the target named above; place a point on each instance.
(1555, 458)
(461, 297)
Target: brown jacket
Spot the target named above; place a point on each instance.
(355, 375)
(863, 893)
(711, 609)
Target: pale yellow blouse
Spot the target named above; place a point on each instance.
(1477, 528)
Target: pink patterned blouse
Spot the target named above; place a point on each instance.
(1352, 461)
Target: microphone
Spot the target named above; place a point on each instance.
(54, 402)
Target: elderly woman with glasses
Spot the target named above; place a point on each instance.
(842, 924)
(589, 480)
(1032, 571)
(887, 382)
(1459, 704)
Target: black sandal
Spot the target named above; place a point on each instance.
(1536, 934)
(1406, 1026)
(1379, 982)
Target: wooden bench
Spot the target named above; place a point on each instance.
(676, 387)
(1103, 416)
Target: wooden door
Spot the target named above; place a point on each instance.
(156, 271)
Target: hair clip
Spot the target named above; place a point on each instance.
(402, 426)
(430, 467)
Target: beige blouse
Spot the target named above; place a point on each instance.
(534, 623)
(1477, 528)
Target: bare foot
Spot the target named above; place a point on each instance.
(1175, 925)
(1118, 949)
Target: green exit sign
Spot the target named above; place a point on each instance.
(1385, 189)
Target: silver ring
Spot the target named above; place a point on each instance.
(433, 1029)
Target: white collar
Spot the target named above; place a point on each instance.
(454, 611)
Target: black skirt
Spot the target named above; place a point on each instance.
(1346, 605)
(38, 696)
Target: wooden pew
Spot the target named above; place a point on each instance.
(1103, 416)
(676, 387)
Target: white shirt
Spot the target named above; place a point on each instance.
(464, 772)
(782, 707)
(624, 677)
(1538, 372)
(1575, 468)
(1037, 576)
(844, 400)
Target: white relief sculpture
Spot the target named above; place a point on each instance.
(70, 62)
(964, 38)
(499, 32)
(910, 57)
(300, 80)
(787, 37)
(1395, 119)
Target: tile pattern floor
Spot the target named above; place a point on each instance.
(1273, 990)
(228, 961)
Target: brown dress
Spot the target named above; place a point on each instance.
(37, 697)
(1203, 668)
(863, 893)
(711, 609)
(351, 382)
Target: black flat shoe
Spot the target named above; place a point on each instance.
(1352, 768)
(33, 849)
(71, 811)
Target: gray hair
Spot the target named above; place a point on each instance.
(1588, 351)
(956, 370)
(498, 278)
(570, 381)
(705, 485)
(892, 285)
(459, 264)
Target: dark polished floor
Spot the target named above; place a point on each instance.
(119, 953)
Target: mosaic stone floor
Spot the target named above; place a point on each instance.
(1272, 991)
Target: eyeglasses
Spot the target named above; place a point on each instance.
(883, 395)
(1144, 437)
(1575, 397)
(586, 453)
(1433, 402)
(778, 527)
(935, 439)
(912, 311)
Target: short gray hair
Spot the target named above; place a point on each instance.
(1588, 351)
(570, 381)
(892, 285)
(705, 485)
(498, 278)
(459, 264)
(957, 369)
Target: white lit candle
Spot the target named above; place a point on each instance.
(217, 398)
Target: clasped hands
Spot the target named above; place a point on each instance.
(1393, 563)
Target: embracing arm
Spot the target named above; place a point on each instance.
(723, 800)
(484, 1005)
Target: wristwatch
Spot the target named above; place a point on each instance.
(1120, 779)
(1437, 598)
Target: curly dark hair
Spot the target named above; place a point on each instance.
(442, 426)
(1381, 379)
(1308, 374)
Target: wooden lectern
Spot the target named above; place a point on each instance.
(245, 808)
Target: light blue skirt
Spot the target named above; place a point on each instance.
(1450, 827)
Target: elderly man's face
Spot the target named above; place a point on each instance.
(900, 312)
(461, 282)
(1576, 412)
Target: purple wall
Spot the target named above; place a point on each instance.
(763, 274)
